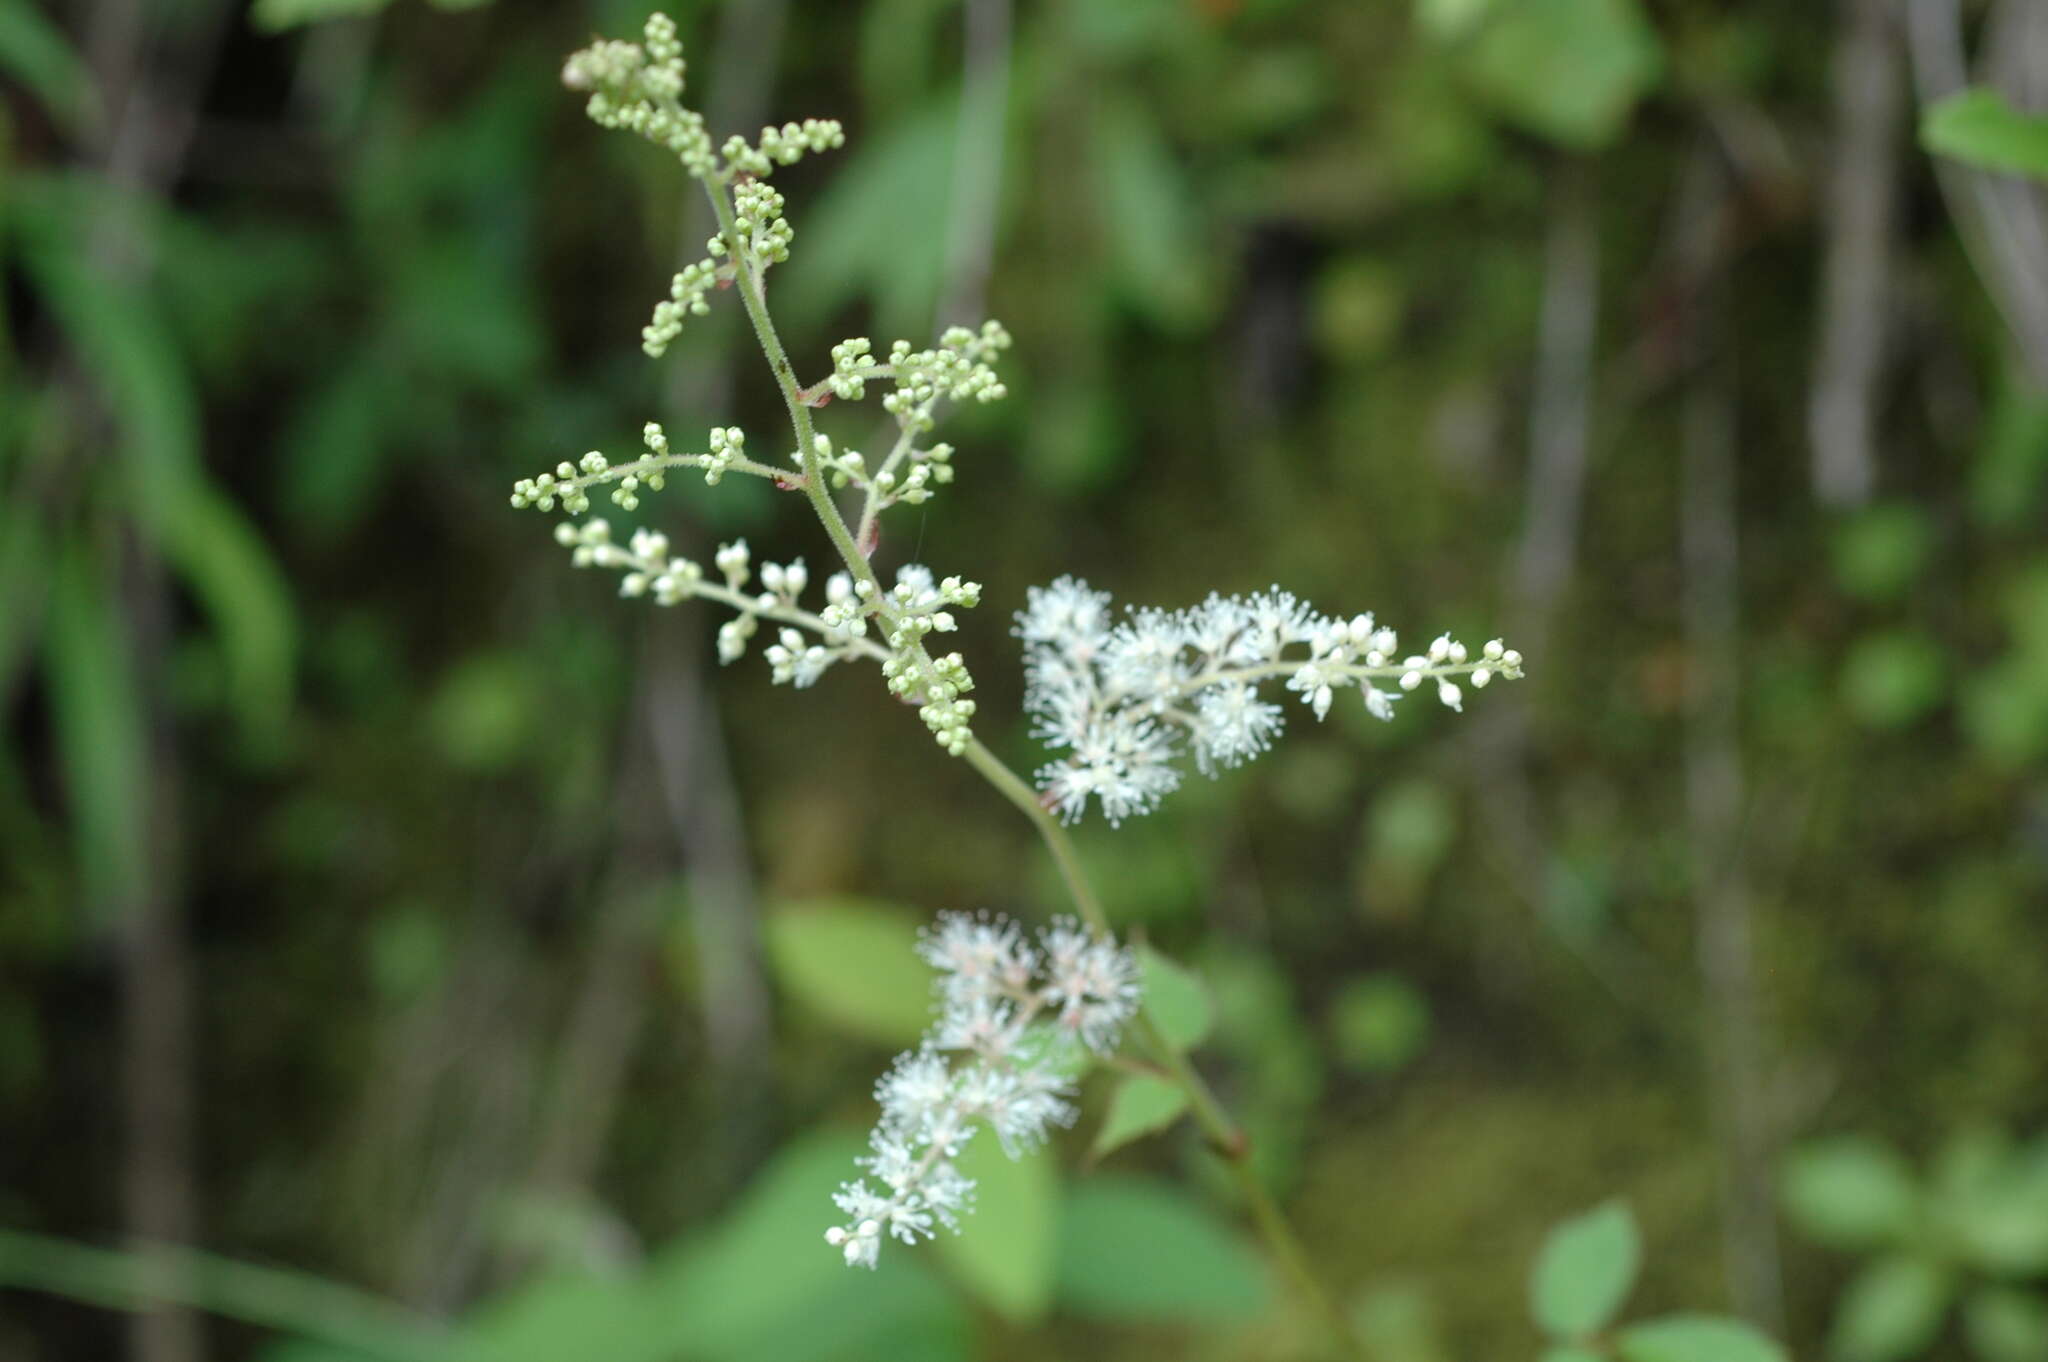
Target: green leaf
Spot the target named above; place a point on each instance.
(1141, 1105)
(101, 743)
(763, 1283)
(1134, 1249)
(1696, 1338)
(219, 554)
(1006, 1253)
(356, 1323)
(273, 16)
(1880, 553)
(1891, 679)
(1378, 1023)
(1993, 1203)
(34, 52)
(1176, 1000)
(878, 228)
(1585, 1271)
(2006, 1324)
(1155, 249)
(1891, 1310)
(854, 962)
(1566, 1352)
(1851, 1192)
(1569, 70)
(1978, 128)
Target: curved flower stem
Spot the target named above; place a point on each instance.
(1224, 1134)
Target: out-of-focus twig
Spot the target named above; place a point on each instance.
(977, 162)
(154, 97)
(1560, 451)
(1856, 289)
(2002, 220)
(1709, 552)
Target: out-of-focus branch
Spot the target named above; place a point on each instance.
(1560, 450)
(977, 162)
(1709, 552)
(1856, 289)
(1560, 421)
(2001, 218)
(155, 99)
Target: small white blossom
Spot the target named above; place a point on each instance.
(1119, 698)
(1003, 1000)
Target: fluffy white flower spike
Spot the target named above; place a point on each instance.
(1122, 698)
(1013, 1013)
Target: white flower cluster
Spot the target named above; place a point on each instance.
(1122, 696)
(1017, 1015)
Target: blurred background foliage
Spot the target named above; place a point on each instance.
(382, 904)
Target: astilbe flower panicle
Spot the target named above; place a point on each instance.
(1123, 698)
(1012, 1017)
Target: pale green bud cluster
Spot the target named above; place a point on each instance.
(685, 299)
(728, 447)
(783, 146)
(959, 369)
(569, 484)
(853, 361)
(636, 86)
(915, 608)
(757, 210)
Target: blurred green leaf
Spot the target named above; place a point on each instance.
(35, 52)
(1141, 1105)
(1891, 679)
(2006, 472)
(102, 746)
(2006, 1324)
(1378, 1023)
(854, 962)
(315, 1308)
(1585, 1271)
(1696, 1338)
(1156, 253)
(1399, 1323)
(1176, 999)
(1979, 128)
(1006, 1254)
(276, 15)
(763, 1283)
(1410, 830)
(218, 552)
(1133, 1249)
(1569, 70)
(1850, 1192)
(485, 709)
(1568, 1353)
(1881, 552)
(879, 228)
(1448, 19)
(1891, 1310)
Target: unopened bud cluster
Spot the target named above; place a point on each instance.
(1124, 698)
(1020, 1018)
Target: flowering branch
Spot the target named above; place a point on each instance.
(1119, 698)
